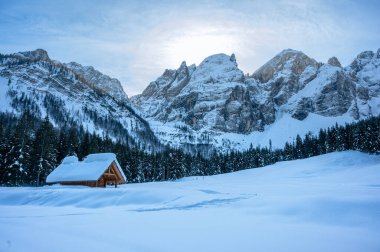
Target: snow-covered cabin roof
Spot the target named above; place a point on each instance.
(90, 169)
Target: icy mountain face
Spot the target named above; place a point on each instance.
(215, 103)
(70, 94)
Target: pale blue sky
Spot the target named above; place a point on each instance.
(135, 41)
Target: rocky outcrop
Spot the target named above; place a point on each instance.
(336, 96)
(288, 61)
(101, 81)
(36, 55)
(305, 106)
(333, 61)
(239, 113)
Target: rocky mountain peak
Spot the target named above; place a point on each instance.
(366, 55)
(219, 59)
(182, 70)
(38, 54)
(170, 83)
(287, 60)
(218, 68)
(333, 61)
(88, 75)
(183, 65)
(366, 58)
(233, 58)
(287, 52)
(109, 85)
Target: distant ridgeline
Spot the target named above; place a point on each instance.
(31, 148)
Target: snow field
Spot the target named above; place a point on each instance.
(325, 203)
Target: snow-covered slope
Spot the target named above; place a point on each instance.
(325, 203)
(216, 105)
(70, 94)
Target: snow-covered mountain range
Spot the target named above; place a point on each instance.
(70, 95)
(206, 107)
(216, 104)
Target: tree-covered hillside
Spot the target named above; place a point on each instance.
(30, 149)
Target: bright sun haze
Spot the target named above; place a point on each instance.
(196, 43)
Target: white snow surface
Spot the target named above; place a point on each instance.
(90, 169)
(325, 203)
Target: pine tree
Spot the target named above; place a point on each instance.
(322, 142)
(62, 148)
(331, 139)
(73, 142)
(299, 147)
(84, 146)
(17, 158)
(44, 152)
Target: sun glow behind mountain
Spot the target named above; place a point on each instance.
(169, 43)
(197, 42)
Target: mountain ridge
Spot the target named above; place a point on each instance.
(70, 94)
(212, 106)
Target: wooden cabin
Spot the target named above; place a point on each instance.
(96, 170)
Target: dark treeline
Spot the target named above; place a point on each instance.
(31, 148)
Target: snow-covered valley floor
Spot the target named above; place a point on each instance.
(325, 203)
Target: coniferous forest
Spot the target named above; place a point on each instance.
(30, 149)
